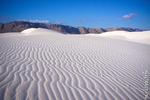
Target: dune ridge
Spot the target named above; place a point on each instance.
(48, 66)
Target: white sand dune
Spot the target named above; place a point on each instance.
(47, 65)
(29, 30)
(140, 37)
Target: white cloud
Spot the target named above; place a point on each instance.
(58, 22)
(38, 21)
(23, 20)
(129, 16)
(35, 21)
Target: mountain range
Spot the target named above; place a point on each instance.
(20, 26)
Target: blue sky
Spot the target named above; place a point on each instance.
(86, 13)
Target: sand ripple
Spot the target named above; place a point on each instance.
(71, 67)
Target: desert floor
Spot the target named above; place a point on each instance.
(48, 65)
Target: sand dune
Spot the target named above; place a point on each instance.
(29, 30)
(47, 65)
(140, 37)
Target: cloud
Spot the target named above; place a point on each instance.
(78, 20)
(119, 18)
(22, 20)
(38, 21)
(6, 17)
(100, 18)
(129, 16)
(58, 22)
(35, 21)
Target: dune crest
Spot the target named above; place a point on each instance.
(40, 31)
(29, 30)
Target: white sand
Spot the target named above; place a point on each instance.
(140, 37)
(47, 65)
(29, 30)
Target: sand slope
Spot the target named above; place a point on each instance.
(140, 37)
(47, 65)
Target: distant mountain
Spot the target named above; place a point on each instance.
(20, 26)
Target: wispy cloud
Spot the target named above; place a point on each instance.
(78, 20)
(86, 19)
(129, 16)
(21, 20)
(58, 22)
(35, 21)
(24, 20)
(100, 18)
(6, 17)
(38, 21)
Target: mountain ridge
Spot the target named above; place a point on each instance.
(21, 25)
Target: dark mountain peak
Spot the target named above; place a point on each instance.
(19, 26)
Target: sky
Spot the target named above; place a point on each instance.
(79, 13)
